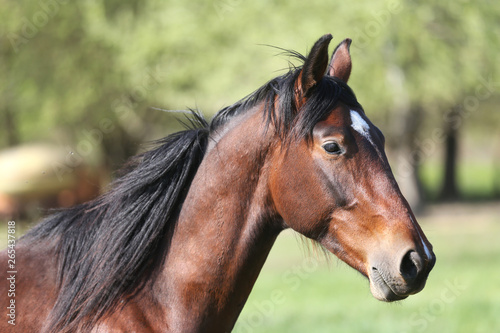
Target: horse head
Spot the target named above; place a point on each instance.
(335, 186)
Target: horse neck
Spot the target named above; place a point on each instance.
(225, 230)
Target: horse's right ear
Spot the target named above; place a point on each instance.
(315, 66)
(340, 64)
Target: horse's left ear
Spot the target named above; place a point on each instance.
(340, 64)
(315, 65)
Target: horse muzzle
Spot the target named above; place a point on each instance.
(394, 281)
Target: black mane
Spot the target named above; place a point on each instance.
(327, 93)
(112, 247)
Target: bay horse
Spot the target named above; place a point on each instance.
(178, 241)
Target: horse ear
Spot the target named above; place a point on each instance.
(340, 64)
(315, 65)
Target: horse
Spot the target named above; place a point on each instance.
(43, 176)
(178, 241)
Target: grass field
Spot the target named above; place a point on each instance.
(300, 291)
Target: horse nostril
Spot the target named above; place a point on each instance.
(432, 262)
(411, 265)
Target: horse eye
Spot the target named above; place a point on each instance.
(333, 148)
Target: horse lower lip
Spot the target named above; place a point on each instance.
(389, 294)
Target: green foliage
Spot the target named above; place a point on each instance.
(70, 65)
(67, 66)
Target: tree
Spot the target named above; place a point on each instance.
(437, 58)
(72, 67)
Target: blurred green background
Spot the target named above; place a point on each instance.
(80, 81)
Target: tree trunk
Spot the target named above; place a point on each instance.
(12, 137)
(410, 157)
(413, 125)
(405, 127)
(496, 165)
(449, 188)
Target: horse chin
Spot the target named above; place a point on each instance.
(381, 290)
